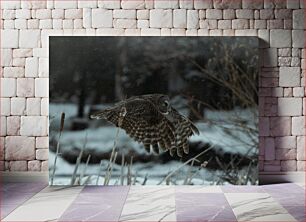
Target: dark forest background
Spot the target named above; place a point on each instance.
(99, 70)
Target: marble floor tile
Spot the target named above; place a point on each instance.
(198, 189)
(301, 185)
(149, 203)
(242, 189)
(283, 188)
(298, 212)
(257, 207)
(14, 194)
(15, 198)
(291, 199)
(22, 187)
(203, 207)
(47, 205)
(97, 204)
(105, 189)
(6, 210)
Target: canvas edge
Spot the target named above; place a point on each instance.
(264, 177)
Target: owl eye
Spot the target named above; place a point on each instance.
(166, 103)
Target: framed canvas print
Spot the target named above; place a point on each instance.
(153, 110)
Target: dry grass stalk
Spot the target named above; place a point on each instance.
(122, 170)
(189, 174)
(84, 169)
(58, 146)
(145, 180)
(77, 164)
(99, 172)
(167, 178)
(108, 173)
(129, 176)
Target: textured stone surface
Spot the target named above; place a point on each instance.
(18, 165)
(280, 126)
(279, 24)
(25, 87)
(166, 4)
(41, 87)
(102, 18)
(34, 126)
(179, 18)
(34, 165)
(301, 148)
(42, 142)
(270, 57)
(109, 4)
(214, 14)
(31, 67)
(42, 154)
(280, 38)
(160, 18)
(8, 87)
(29, 38)
(225, 4)
(289, 76)
(290, 106)
(298, 126)
(44, 109)
(9, 38)
(43, 67)
(298, 38)
(13, 125)
(285, 154)
(7, 57)
(20, 148)
(18, 106)
(33, 106)
(5, 106)
(43, 13)
(285, 142)
(269, 148)
(132, 4)
(125, 14)
(13, 72)
(44, 165)
(288, 165)
(3, 130)
(192, 19)
(301, 166)
(65, 4)
(252, 4)
(298, 19)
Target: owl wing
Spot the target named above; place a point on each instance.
(184, 128)
(142, 122)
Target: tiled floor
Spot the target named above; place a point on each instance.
(38, 202)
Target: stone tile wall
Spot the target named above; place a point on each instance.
(26, 25)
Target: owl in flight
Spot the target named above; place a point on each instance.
(151, 120)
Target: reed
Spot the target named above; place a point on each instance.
(83, 173)
(58, 146)
(99, 172)
(77, 164)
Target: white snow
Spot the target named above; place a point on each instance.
(220, 128)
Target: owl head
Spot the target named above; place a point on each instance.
(161, 101)
(163, 104)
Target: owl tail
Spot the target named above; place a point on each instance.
(195, 130)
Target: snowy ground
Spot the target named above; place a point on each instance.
(215, 130)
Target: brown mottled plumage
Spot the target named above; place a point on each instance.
(150, 119)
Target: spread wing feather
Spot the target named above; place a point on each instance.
(145, 124)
